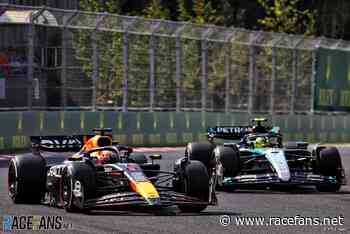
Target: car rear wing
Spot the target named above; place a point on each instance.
(59, 143)
(229, 132)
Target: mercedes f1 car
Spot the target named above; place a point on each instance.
(259, 158)
(105, 174)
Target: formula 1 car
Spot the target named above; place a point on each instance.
(260, 159)
(104, 174)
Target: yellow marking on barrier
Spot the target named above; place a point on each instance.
(20, 121)
(345, 98)
(311, 137)
(298, 136)
(120, 138)
(187, 118)
(138, 121)
(102, 119)
(328, 72)
(62, 120)
(19, 141)
(155, 120)
(41, 117)
(120, 121)
(171, 120)
(82, 120)
(232, 120)
(137, 139)
(218, 120)
(345, 137)
(171, 138)
(187, 137)
(204, 120)
(154, 139)
(2, 142)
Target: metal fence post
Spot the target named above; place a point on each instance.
(30, 59)
(294, 80)
(152, 53)
(64, 68)
(95, 68)
(204, 80)
(64, 44)
(252, 63)
(273, 80)
(152, 72)
(313, 80)
(228, 71)
(205, 67)
(126, 70)
(178, 73)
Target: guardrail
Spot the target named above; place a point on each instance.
(161, 128)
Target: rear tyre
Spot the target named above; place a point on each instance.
(78, 185)
(26, 179)
(200, 151)
(195, 184)
(329, 164)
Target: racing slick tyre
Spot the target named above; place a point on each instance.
(329, 164)
(200, 151)
(78, 185)
(26, 178)
(229, 158)
(138, 158)
(195, 184)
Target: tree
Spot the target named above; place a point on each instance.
(286, 16)
(155, 10)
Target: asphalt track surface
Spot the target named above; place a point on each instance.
(303, 202)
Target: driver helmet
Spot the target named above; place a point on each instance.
(260, 142)
(105, 156)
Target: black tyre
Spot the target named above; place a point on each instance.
(195, 184)
(329, 164)
(329, 161)
(26, 179)
(138, 158)
(229, 158)
(81, 177)
(200, 151)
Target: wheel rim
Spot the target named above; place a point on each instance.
(66, 191)
(12, 182)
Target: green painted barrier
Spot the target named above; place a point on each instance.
(160, 128)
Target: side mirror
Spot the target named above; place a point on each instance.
(155, 157)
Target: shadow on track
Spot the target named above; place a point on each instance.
(162, 212)
(282, 191)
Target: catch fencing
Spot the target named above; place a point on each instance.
(72, 60)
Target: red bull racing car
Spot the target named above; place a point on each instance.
(104, 174)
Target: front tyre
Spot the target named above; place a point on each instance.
(195, 184)
(78, 185)
(329, 164)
